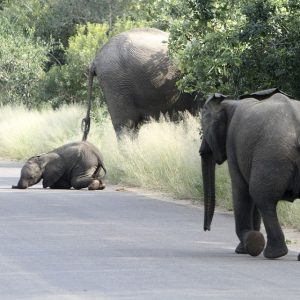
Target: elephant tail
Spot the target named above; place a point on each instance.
(99, 167)
(86, 122)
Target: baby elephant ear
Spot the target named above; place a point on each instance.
(54, 170)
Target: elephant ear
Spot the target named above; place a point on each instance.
(264, 94)
(214, 125)
(54, 170)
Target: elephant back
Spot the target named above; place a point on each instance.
(137, 63)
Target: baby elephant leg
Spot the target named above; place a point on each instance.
(89, 182)
(96, 184)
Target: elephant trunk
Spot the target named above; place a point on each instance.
(208, 177)
(20, 185)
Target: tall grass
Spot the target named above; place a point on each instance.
(164, 157)
(24, 132)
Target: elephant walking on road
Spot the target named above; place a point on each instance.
(74, 165)
(138, 79)
(259, 136)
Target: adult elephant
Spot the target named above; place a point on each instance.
(260, 138)
(138, 79)
(74, 165)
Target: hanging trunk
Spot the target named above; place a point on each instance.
(208, 177)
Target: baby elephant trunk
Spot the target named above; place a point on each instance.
(21, 185)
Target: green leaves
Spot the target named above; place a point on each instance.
(229, 46)
(238, 46)
(22, 59)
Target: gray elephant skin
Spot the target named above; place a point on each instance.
(76, 165)
(260, 139)
(138, 79)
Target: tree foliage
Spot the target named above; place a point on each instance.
(22, 60)
(65, 84)
(238, 46)
(229, 46)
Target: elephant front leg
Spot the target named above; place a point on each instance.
(247, 220)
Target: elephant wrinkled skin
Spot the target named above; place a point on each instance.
(138, 79)
(74, 165)
(261, 142)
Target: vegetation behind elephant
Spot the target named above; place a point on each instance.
(259, 136)
(76, 165)
(138, 79)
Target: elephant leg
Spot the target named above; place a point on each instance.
(125, 116)
(256, 219)
(266, 193)
(256, 223)
(247, 226)
(96, 184)
(276, 246)
(80, 182)
(126, 126)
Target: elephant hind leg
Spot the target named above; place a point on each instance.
(266, 198)
(96, 184)
(268, 184)
(254, 239)
(129, 127)
(126, 117)
(87, 182)
(276, 246)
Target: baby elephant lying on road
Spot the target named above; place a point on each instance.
(74, 165)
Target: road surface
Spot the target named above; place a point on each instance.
(121, 245)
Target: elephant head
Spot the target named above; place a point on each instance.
(47, 166)
(213, 148)
(31, 173)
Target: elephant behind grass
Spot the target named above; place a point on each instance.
(138, 80)
(76, 165)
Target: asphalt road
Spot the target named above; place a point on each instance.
(120, 245)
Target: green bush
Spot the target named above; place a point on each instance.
(125, 23)
(67, 84)
(22, 61)
(256, 47)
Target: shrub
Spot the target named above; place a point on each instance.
(67, 84)
(22, 59)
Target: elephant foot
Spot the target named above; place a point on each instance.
(275, 251)
(254, 242)
(96, 184)
(240, 249)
